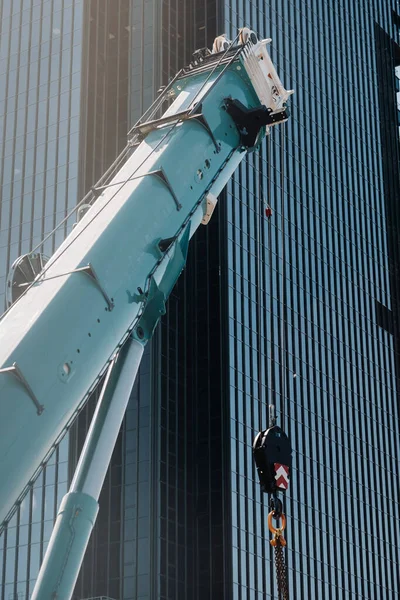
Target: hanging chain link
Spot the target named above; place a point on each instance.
(278, 543)
(281, 573)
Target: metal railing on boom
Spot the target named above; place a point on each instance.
(91, 196)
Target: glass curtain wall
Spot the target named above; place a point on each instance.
(327, 262)
(40, 70)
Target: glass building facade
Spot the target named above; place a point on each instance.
(329, 299)
(302, 309)
(41, 51)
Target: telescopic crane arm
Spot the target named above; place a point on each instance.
(110, 279)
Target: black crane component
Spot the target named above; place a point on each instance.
(273, 457)
(250, 121)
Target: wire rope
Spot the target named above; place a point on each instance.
(282, 299)
(260, 290)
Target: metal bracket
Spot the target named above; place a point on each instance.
(211, 203)
(201, 120)
(180, 117)
(249, 121)
(90, 272)
(158, 173)
(144, 128)
(16, 371)
(96, 191)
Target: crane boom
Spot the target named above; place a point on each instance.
(113, 274)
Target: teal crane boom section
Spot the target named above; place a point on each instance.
(113, 274)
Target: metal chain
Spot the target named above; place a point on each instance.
(281, 574)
